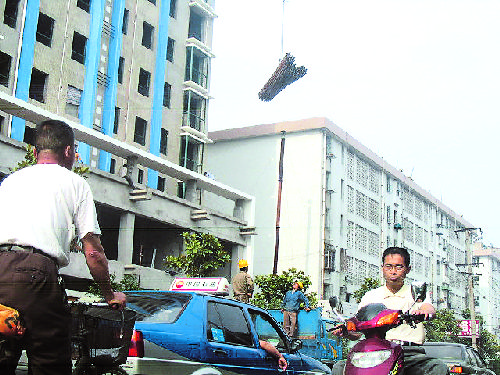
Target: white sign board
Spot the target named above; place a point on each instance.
(212, 285)
(466, 328)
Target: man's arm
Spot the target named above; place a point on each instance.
(98, 266)
(249, 282)
(271, 349)
(306, 302)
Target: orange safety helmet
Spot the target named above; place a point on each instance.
(243, 263)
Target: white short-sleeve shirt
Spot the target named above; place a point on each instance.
(46, 206)
(402, 300)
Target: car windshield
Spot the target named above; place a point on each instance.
(444, 351)
(157, 307)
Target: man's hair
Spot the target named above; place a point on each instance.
(53, 135)
(397, 251)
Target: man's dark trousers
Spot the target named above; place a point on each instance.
(29, 283)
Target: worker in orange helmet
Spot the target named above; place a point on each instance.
(242, 283)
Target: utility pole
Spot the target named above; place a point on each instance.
(278, 205)
(470, 279)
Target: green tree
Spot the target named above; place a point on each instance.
(128, 282)
(203, 256)
(444, 327)
(367, 285)
(487, 342)
(274, 287)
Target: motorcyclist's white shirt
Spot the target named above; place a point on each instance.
(45, 206)
(401, 300)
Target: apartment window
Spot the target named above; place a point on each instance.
(163, 141)
(140, 131)
(83, 4)
(73, 98)
(78, 47)
(2, 119)
(173, 8)
(37, 85)
(170, 49)
(5, 62)
(167, 93)
(147, 35)
(195, 26)
(140, 176)
(121, 63)
(161, 183)
(10, 13)
(116, 120)
(44, 29)
(112, 166)
(144, 80)
(125, 21)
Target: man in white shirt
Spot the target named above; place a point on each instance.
(43, 207)
(395, 294)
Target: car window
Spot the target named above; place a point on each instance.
(444, 351)
(158, 307)
(227, 323)
(267, 329)
(478, 359)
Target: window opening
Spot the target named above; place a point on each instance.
(147, 35)
(78, 47)
(163, 141)
(116, 121)
(125, 21)
(140, 131)
(161, 183)
(195, 26)
(167, 93)
(144, 80)
(5, 62)
(121, 63)
(112, 166)
(44, 29)
(10, 13)
(37, 85)
(83, 4)
(170, 49)
(173, 8)
(140, 176)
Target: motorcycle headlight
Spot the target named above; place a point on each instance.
(370, 359)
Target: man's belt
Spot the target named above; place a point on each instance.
(28, 249)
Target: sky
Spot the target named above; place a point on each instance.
(416, 81)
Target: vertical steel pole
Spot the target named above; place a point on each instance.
(278, 208)
(472, 304)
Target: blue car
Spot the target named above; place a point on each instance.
(197, 333)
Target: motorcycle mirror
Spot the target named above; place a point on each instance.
(418, 290)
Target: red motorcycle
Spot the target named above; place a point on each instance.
(374, 355)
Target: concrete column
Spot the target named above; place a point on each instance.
(126, 238)
(191, 191)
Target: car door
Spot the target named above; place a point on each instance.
(230, 342)
(267, 329)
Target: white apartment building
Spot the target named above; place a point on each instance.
(133, 78)
(341, 206)
(487, 285)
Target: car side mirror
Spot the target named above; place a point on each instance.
(295, 345)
